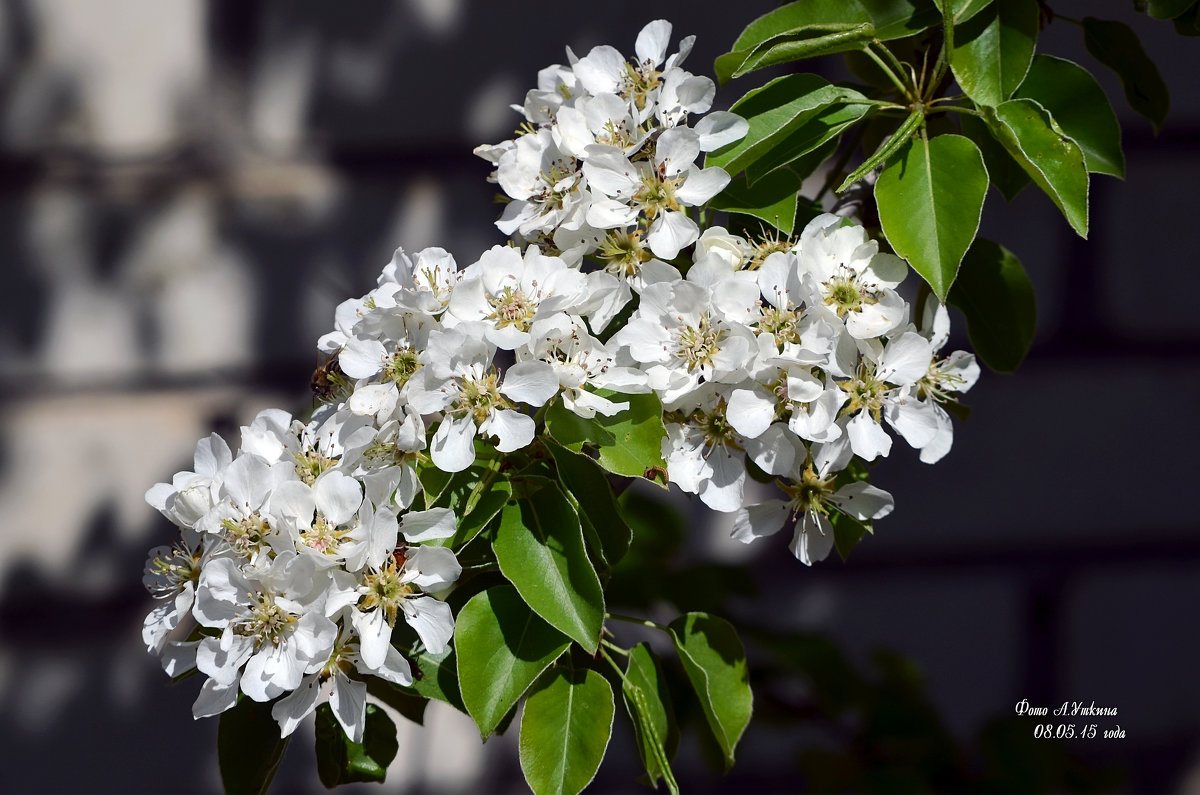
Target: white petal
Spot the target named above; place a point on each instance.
(867, 437)
(375, 636)
(720, 128)
(432, 620)
(532, 382)
(701, 185)
(362, 358)
(214, 699)
(349, 703)
(863, 501)
(676, 150)
(512, 429)
(724, 489)
(293, 708)
(437, 567)
(652, 40)
(905, 360)
(763, 519)
(338, 496)
(813, 540)
(750, 411)
(453, 445)
(671, 231)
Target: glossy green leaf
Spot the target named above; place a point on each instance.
(1050, 158)
(627, 443)
(587, 485)
(881, 155)
(249, 748)
(800, 14)
(772, 199)
(1078, 104)
(565, 730)
(1003, 172)
(502, 646)
(1115, 45)
(847, 532)
(898, 19)
(715, 663)
(963, 10)
(648, 701)
(776, 110)
(341, 761)
(539, 546)
(806, 146)
(475, 495)
(997, 299)
(993, 50)
(1189, 23)
(795, 46)
(436, 676)
(401, 699)
(1168, 9)
(930, 199)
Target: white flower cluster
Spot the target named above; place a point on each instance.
(296, 558)
(605, 162)
(794, 355)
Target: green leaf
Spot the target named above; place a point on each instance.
(774, 111)
(993, 50)
(565, 730)
(997, 299)
(1078, 104)
(539, 546)
(1189, 23)
(800, 14)
(1115, 45)
(401, 699)
(883, 153)
(479, 489)
(502, 646)
(807, 145)
(847, 532)
(963, 10)
(796, 46)
(1168, 9)
(930, 199)
(627, 443)
(340, 761)
(648, 700)
(587, 484)
(899, 19)
(1003, 172)
(715, 663)
(436, 676)
(772, 199)
(249, 748)
(1054, 161)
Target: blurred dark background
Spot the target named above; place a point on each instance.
(188, 189)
